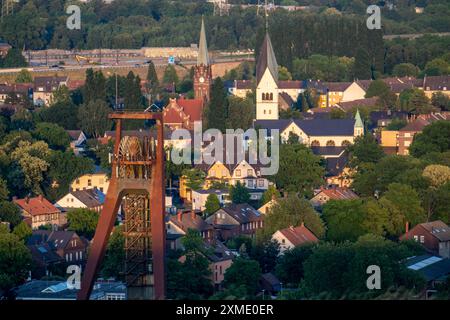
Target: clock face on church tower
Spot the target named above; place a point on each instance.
(201, 79)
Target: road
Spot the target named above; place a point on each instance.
(124, 65)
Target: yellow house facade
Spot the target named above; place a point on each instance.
(91, 181)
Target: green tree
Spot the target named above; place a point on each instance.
(83, 222)
(22, 231)
(269, 194)
(284, 74)
(243, 272)
(63, 114)
(14, 59)
(15, 262)
(93, 118)
(54, 135)
(190, 279)
(24, 76)
(344, 219)
(365, 150)
(61, 96)
(405, 70)
(289, 268)
(386, 98)
(441, 101)
(194, 178)
(363, 66)
(437, 67)
(239, 193)
(291, 211)
(9, 212)
(152, 77)
(240, 113)
(266, 253)
(114, 262)
(212, 204)
(4, 192)
(434, 138)
(299, 170)
(216, 111)
(170, 75)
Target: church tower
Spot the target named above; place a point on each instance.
(202, 71)
(267, 83)
(359, 125)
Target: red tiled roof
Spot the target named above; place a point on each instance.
(75, 84)
(417, 125)
(438, 229)
(339, 193)
(192, 107)
(36, 206)
(299, 235)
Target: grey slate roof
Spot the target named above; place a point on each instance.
(266, 60)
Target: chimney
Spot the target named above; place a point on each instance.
(303, 224)
(407, 227)
(179, 215)
(27, 199)
(41, 198)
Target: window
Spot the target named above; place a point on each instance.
(330, 143)
(250, 183)
(271, 97)
(261, 183)
(345, 143)
(249, 172)
(238, 172)
(89, 182)
(422, 239)
(315, 143)
(283, 241)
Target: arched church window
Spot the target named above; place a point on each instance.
(271, 96)
(345, 143)
(315, 143)
(330, 143)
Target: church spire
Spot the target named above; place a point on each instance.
(203, 57)
(266, 60)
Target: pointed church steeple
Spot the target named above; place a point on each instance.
(203, 70)
(266, 60)
(203, 57)
(359, 124)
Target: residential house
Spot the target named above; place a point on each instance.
(99, 181)
(183, 221)
(44, 87)
(91, 199)
(389, 141)
(292, 237)
(434, 236)
(57, 290)
(38, 211)
(336, 165)
(381, 119)
(235, 220)
(182, 113)
(334, 193)
(20, 90)
(220, 259)
(4, 48)
(77, 140)
(199, 198)
(316, 132)
(240, 88)
(265, 208)
(270, 284)
(45, 260)
(432, 84)
(348, 106)
(407, 133)
(67, 244)
(336, 92)
(434, 269)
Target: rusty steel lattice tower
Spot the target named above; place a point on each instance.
(137, 183)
